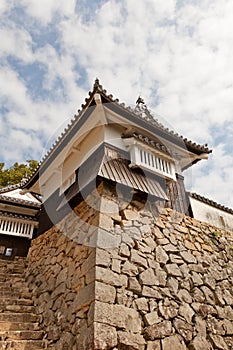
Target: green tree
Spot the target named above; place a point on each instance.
(17, 172)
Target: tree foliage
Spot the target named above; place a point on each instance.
(17, 172)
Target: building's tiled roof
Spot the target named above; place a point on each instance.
(108, 98)
(19, 201)
(10, 188)
(211, 202)
(156, 145)
(17, 216)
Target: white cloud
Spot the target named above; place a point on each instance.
(44, 10)
(214, 180)
(16, 42)
(179, 58)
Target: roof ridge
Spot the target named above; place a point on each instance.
(97, 87)
(18, 200)
(10, 187)
(16, 215)
(211, 202)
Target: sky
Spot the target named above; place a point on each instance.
(176, 54)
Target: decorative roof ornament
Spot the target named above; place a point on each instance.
(142, 110)
(97, 85)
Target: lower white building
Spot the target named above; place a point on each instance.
(207, 210)
(18, 220)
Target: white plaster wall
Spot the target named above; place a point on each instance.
(112, 136)
(70, 160)
(214, 216)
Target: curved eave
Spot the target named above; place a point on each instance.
(18, 216)
(164, 133)
(125, 112)
(19, 202)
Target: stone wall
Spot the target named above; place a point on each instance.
(161, 282)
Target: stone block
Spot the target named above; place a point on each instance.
(184, 329)
(168, 309)
(148, 277)
(173, 270)
(153, 345)
(108, 207)
(104, 292)
(116, 265)
(157, 233)
(129, 269)
(142, 304)
(61, 289)
(218, 342)
(207, 247)
(161, 255)
(104, 221)
(200, 343)
(102, 257)
(134, 285)
(152, 318)
(159, 223)
(102, 238)
(228, 326)
(145, 229)
(200, 326)
(158, 331)
(138, 259)
(175, 259)
(109, 277)
(130, 341)
(185, 296)
(129, 214)
(84, 297)
(188, 257)
(173, 342)
(189, 245)
(196, 278)
(124, 250)
(151, 292)
(187, 312)
(117, 316)
(170, 248)
(150, 242)
(173, 285)
(105, 336)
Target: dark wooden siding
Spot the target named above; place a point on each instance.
(19, 245)
(178, 198)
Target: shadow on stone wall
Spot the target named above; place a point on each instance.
(166, 285)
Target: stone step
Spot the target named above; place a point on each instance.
(13, 281)
(21, 335)
(9, 295)
(22, 288)
(18, 326)
(15, 301)
(15, 294)
(18, 317)
(21, 345)
(11, 277)
(18, 308)
(13, 270)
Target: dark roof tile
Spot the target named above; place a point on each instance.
(97, 88)
(211, 202)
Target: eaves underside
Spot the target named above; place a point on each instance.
(125, 112)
